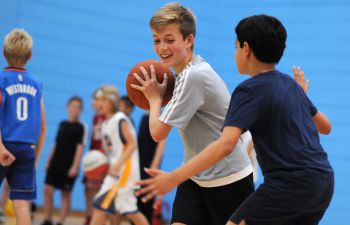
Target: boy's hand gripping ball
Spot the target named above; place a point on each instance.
(136, 96)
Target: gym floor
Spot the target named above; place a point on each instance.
(74, 219)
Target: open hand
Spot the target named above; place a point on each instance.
(150, 86)
(160, 183)
(299, 77)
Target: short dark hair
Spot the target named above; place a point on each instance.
(265, 35)
(127, 101)
(75, 98)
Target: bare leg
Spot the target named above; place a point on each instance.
(5, 194)
(232, 223)
(114, 219)
(65, 208)
(22, 211)
(90, 192)
(48, 201)
(98, 217)
(138, 218)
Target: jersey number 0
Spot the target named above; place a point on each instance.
(22, 108)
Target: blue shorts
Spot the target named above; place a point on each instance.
(21, 174)
(288, 198)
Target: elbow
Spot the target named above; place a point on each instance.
(157, 137)
(326, 130)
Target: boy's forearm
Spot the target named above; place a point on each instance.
(39, 147)
(42, 137)
(159, 131)
(212, 154)
(154, 114)
(2, 146)
(77, 157)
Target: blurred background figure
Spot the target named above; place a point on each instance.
(63, 165)
(151, 154)
(93, 185)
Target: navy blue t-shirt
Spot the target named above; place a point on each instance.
(274, 108)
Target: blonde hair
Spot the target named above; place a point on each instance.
(175, 13)
(18, 46)
(111, 93)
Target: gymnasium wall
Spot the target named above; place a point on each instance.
(82, 44)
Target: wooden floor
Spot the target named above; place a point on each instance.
(38, 219)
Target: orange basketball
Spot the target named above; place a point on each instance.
(136, 96)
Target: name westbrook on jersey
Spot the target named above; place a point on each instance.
(21, 88)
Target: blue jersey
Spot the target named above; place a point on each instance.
(20, 109)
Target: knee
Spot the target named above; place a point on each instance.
(48, 190)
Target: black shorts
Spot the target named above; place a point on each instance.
(290, 198)
(60, 181)
(196, 205)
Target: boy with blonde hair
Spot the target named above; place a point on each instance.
(120, 144)
(198, 109)
(22, 123)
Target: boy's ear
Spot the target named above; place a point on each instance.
(189, 41)
(29, 56)
(247, 49)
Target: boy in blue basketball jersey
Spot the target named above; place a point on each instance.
(22, 123)
(285, 125)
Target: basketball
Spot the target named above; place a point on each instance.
(95, 164)
(137, 96)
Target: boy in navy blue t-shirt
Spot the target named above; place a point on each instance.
(298, 179)
(22, 124)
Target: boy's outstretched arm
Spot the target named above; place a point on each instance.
(321, 121)
(162, 182)
(154, 92)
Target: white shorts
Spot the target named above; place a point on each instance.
(125, 201)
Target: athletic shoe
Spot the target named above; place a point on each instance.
(47, 222)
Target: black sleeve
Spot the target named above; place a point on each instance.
(245, 108)
(313, 109)
(121, 135)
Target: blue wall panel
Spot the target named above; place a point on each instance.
(80, 45)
